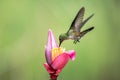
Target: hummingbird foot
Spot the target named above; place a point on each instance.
(75, 41)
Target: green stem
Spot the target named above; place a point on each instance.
(53, 79)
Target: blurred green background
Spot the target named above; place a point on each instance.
(23, 34)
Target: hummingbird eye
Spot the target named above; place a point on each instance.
(60, 39)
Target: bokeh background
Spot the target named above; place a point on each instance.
(23, 34)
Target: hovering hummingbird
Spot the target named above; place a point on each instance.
(74, 32)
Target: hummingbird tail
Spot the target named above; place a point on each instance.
(85, 31)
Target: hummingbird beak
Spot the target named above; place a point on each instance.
(60, 42)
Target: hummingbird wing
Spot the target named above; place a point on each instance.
(85, 31)
(77, 21)
(82, 23)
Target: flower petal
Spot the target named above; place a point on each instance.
(71, 54)
(51, 71)
(48, 68)
(54, 44)
(48, 49)
(58, 71)
(51, 43)
(60, 61)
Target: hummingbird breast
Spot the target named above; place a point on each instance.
(74, 35)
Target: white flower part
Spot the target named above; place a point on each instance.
(63, 49)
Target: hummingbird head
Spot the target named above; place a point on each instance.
(62, 37)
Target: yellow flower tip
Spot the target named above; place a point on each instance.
(56, 52)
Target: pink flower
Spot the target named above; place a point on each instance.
(56, 57)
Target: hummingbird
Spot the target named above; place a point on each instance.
(74, 32)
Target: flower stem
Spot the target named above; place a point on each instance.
(53, 76)
(53, 79)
